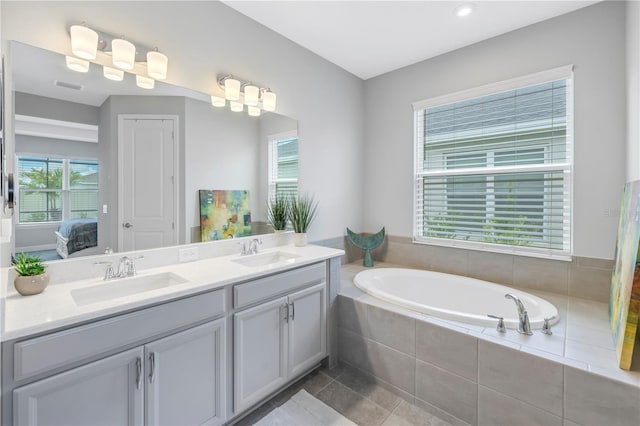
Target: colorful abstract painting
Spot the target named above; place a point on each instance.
(624, 303)
(224, 214)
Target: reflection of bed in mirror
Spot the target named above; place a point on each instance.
(79, 236)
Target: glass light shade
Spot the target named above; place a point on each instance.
(232, 89)
(157, 65)
(123, 53)
(217, 101)
(145, 82)
(236, 106)
(253, 111)
(76, 64)
(251, 94)
(268, 101)
(112, 73)
(84, 42)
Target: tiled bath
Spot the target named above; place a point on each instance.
(470, 374)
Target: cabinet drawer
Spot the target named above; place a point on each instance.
(35, 356)
(263, 288)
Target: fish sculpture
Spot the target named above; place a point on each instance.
(366, 243)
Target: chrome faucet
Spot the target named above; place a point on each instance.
(523, 317)
(126, 268)
(253, 246)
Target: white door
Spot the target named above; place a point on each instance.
(106, 392)
(185, 377)
(307, 332)
(147, 195)
(259, 352)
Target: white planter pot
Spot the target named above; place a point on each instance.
(300, 239)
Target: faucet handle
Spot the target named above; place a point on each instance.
(500, 328)
(546, 327)
(109, 273)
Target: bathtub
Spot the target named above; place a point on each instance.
(452, 297)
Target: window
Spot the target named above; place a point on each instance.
(56, 189)
(283, 165)
(493, 167)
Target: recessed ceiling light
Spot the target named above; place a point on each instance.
(464, 9)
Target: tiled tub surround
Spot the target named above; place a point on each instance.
(583, 277)
(474, 375)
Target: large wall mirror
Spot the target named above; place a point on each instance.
(107, 160)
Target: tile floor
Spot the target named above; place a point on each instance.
(353, 394)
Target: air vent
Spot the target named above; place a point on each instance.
(67, 85)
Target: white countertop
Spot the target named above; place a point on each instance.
(55, 307)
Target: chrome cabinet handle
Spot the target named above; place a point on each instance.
(293, 311)
(138, 372)
(286, 314)
(152, 366)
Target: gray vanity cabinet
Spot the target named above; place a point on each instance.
(185, 377)
(276, 341)
(109, 391)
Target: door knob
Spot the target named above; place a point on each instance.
(127, 225)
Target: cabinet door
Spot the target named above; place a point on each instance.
(106, 392)
(259, 352)
(307, 329)
(185, 377)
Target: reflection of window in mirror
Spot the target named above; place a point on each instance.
(283, 165)
(56, 189)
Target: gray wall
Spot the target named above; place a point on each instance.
(55, 109)
(633, 90)
(197, 37)
(56, 147)
(593, 39)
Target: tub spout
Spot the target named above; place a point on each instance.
(523, 317)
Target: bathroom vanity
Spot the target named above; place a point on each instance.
(203, 343)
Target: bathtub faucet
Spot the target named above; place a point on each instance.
(523, 317)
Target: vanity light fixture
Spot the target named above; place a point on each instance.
(145, 82)
(242, 92)
(84, 41)
(464, 9)
(112, 73)
(217, 101)
(77, 64)
(236, 106)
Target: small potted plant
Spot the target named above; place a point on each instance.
(302, 211)
(31, 277)
(278, 213)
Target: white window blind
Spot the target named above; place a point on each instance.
(56, 189)
(283, 165)
(493, 167)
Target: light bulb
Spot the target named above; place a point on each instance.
(76, 64)
(123, 53)
(112, 73)
(145, 82)
(251, 94)
(84, 41)
(236, 106)
(217, 101)
(253, 111)
(157, 65)
(232, 89)
(268, 100)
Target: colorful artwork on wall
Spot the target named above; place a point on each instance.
(224, 214)
(624, 302)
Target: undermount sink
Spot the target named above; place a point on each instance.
(116, 288)
(266, 259)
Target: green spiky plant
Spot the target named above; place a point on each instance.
(278, 212)
(27, 266)
(302, 211)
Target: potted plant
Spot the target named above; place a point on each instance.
(31, 277)
(302, 211)
(278, 213)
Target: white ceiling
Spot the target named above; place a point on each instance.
(369, 38)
